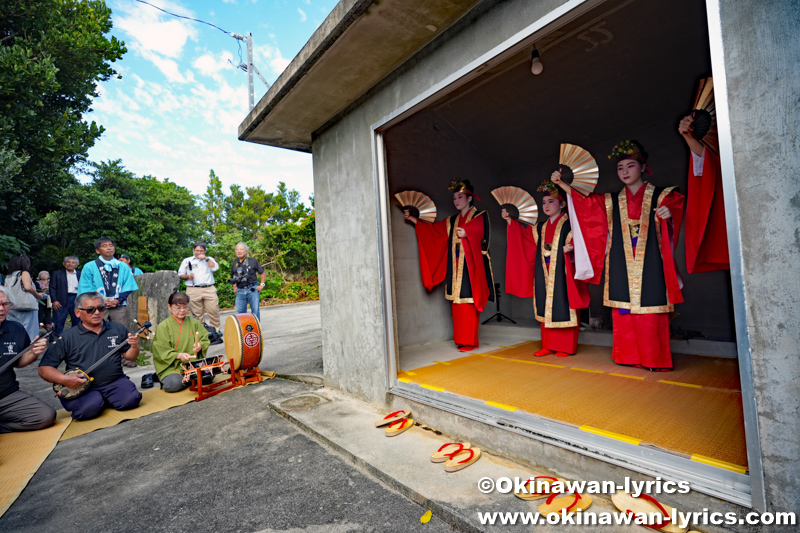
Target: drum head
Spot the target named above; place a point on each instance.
(243, 341)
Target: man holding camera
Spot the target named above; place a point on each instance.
(198, 272)
(243, 278)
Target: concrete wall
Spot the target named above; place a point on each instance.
(761, 43)
(347, 249)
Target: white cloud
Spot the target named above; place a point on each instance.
(270, 56)
(303, 16)
(208, 65)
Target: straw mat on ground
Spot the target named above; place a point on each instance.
(680, 419)
(21, 455)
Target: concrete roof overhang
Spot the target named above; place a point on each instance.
(358, 45)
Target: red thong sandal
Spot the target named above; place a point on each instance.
(447, 451)
(404, 424)
(392, 417)
(531, 487)
(462, 459)
(543, 352)
(559, 505)
(646, 505)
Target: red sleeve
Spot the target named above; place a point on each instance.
(577, 291)
(520, 256)
(590, 215)
(705, 233)
(669, 236)
(473, 254)
(432, 242)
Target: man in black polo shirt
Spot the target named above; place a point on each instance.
(19, 411)
(243, 277)
(83, 346)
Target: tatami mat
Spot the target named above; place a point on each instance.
(674, 411)
(21, 455)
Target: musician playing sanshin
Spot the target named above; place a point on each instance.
(19, 411)
(642, 283)
(456, 250)
(539, 265)
(82, 346)
(179, 339)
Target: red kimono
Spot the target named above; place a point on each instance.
(538, 268)
(642, 283)
(463, 264)
(705, 234)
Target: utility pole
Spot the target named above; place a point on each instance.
(250, 68)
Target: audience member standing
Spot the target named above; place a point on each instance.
(198, 272)
(125, 258)
(111, 278)
(23, 294)
(63, 290)
(243, 275)
(42, 284)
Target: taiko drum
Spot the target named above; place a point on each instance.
(243, 341)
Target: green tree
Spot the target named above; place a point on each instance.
(213, 209)
(153, 221)
(52, 55)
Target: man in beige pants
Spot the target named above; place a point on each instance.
(198, 272)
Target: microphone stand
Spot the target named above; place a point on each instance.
(498, 315)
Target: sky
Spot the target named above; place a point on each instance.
(175, 112)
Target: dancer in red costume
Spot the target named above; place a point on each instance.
(539, 265)
(705, 234)
(635, 231)
(456, 250)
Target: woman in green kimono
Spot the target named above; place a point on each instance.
(178, 339)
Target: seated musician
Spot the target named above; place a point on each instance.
(178, 339)
(81, 347)
(19, 411)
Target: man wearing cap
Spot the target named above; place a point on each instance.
(198, 273)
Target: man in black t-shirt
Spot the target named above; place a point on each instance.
(19, 411)
(81, 347)
(243, 276)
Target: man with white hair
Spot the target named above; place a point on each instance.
(243, 277)
(19, 411)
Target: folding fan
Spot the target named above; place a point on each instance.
(583, 167)
(418, 205)
(524, 203)
(705, 115)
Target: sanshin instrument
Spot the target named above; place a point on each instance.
(65, 393)
(48, 332)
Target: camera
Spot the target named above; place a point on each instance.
(238, 277)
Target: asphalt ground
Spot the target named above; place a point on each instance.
(227, 463)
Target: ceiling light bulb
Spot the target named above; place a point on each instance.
(536, 63)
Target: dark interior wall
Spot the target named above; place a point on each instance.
(624, 70)
(425, 154)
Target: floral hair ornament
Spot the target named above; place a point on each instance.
(463, 186)
(551, 189)
(631, 149)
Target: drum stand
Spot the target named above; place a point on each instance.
(251, 375)
(212, 389)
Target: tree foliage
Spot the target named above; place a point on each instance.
(52, 55)
(153, 221)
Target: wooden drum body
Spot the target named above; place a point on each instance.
(243, 341)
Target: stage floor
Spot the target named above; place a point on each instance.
(694, 411)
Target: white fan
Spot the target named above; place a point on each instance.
(524, 202)
(419, 205)
(583, 167)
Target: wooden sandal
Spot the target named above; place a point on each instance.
(647, 505)
(577, 502)
(462, 459)
(392, 417)
(398, 426)
(530, 486)
(447, 451)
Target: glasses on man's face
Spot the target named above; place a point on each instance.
(180, 307)
(92, 310)
(6, 304)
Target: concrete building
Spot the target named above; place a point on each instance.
(407, 94)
